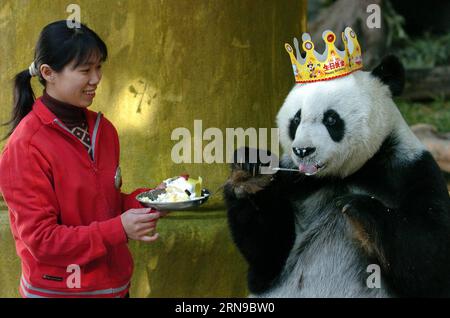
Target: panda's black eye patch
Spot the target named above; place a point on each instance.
(294, 124)
(334, 124)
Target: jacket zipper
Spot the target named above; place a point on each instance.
(93, 161)
(94, 135)
(93, 139)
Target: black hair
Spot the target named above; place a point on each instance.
(58, 46)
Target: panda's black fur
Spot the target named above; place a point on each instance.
(288, 252)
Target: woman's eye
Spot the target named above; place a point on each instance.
(84, 71)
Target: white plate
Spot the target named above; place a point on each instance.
(171, 206)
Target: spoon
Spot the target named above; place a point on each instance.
(285, 169)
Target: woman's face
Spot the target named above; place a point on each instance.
(76, 86)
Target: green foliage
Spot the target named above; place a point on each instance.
(426, 52)
(436, 113)
(394, 23)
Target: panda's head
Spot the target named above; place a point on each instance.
(331, 128)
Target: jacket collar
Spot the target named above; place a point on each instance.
(47, 117)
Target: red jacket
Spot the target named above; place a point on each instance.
(65, 208)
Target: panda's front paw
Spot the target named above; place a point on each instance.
(246, 177)
(368, 217)
(360, 201)
(364, 208)
(251, 160)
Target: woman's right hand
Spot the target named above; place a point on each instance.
(139, 224)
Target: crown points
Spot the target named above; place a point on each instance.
(308, 46)
(331, 63)
(328, 36)
(306, 37)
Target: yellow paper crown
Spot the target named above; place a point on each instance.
(331, 63)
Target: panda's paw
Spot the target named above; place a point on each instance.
(251, 160)
(368, 218)
(246, 172)
(362, 207)
(244, 184)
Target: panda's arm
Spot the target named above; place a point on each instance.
(262, 226)
(411, 241)
(419, 244)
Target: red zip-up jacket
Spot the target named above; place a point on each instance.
(65, 208)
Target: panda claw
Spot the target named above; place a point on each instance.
(254, 170)
(345, 208)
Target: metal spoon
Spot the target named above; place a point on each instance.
(285, 169)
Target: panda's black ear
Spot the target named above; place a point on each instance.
(391, 72)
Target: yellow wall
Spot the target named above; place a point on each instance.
(220, 61)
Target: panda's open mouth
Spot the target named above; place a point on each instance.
(310, 169)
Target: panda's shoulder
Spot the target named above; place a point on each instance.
(400, 164)
(424, 169)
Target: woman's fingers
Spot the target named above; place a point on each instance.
(148, 239)
(141, 218)
(142, 221)
(141, 211)
(145, 226)
(146, 231)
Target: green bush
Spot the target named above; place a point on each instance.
(436, 113)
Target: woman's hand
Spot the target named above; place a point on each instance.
(140, 225)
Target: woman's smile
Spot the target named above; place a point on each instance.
(89, 92)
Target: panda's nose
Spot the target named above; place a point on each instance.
(303, 152)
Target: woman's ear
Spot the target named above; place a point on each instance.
(47, 73)
(391, 72)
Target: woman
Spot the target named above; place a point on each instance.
(60, 176)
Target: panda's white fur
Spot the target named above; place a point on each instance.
(369, 113)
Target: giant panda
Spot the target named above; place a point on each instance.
(366, 195)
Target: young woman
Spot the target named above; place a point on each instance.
(60, 176)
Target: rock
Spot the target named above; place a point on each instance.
(437, 143)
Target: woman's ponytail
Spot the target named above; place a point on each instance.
(23, 100)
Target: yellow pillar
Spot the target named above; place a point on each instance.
(172, 62)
